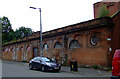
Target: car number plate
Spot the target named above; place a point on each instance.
(56, 67)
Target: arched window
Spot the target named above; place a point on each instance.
(6, 50)
(45, 46)
(74, 44)
(58, 45)
(21, 48)
(12, 49)
(28, 47)
(17, 49)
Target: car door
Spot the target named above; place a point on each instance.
(34, 63)
(119, 62)
(38, 63)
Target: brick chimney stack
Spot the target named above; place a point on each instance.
(112, 5)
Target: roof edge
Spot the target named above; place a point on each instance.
(115, 14)
(84, 23)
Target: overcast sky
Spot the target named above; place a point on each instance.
(55, 13)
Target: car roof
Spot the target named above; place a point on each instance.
(117, 54)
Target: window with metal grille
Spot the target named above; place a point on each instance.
(74, 44)
(58, 45)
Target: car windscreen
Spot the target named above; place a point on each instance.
(47, 60)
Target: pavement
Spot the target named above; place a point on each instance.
(87, 72)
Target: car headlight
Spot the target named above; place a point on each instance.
(48, 64)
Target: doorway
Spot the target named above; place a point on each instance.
(35, 52)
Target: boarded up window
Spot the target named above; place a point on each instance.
(58, 45)
(74, 44)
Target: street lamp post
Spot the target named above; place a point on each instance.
(41, 54)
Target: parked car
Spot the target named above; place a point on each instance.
(116, 65)
(44, 63)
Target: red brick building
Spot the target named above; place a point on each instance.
(91, 43)
(112, 5)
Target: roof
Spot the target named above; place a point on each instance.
(90, 24)
(107, 1)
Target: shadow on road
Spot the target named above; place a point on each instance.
(46, 71)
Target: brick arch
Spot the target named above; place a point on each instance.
(76, 35)
(57, 45)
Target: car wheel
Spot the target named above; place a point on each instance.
(58, 70)
(30, 67)
(43, 68)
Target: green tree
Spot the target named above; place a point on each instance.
(103, 11)
(7, 31)
(23, 32)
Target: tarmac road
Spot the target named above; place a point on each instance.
(17, 69)
(20, 69)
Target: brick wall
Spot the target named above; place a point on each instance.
(113, 7)
(67, 43)
(116, 33)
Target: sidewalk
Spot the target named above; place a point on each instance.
(87, 72)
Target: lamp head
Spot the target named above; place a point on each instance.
(33, 7)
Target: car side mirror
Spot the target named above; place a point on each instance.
(54, 60)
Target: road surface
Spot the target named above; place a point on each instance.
(20, 69)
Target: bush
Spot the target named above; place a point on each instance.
(103, 11)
